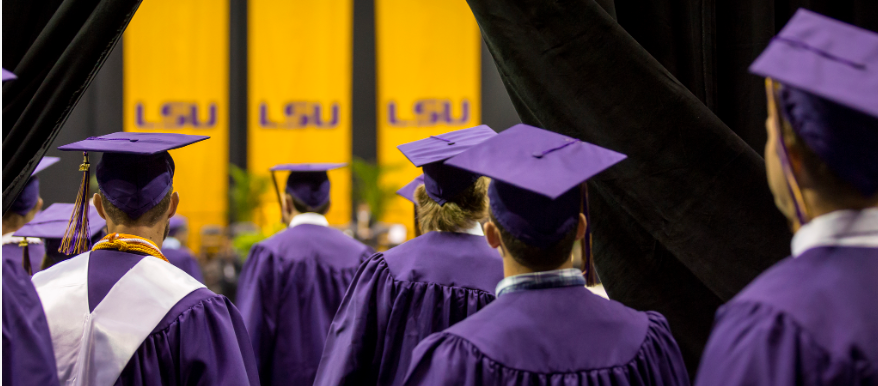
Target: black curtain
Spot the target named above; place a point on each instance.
(687, 220)
(55, 47)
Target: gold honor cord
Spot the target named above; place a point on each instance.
(129, 243)
(802, 212)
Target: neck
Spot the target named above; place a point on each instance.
(155, 234)
(818, 206)
(13, 223)
(511, 267)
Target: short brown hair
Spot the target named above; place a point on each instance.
(301, 207)
(150, 218)
(537, 259)
(458, 213)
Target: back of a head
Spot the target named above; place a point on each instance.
(458, 213)
(136, 189)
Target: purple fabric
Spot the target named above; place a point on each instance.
(51, 223)
(312, 188)
(44, 163)
(176, 224)
(442, 182)
(182, 258)
(28, 358)
(312, 167)
(845, 139)
(200, 341)
(537, 160)
(135, 183)
(824, 57)
(8, 75)
(408, 191)
(537, 220)
(401, 296)
(134, 143)
(558, 336)
(289, 290)
(36, 252)
(812, 320)
(28, 197)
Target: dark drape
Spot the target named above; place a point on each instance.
(55, 47)
(687, 220)
(708, 45)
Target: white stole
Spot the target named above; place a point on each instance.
(93, 348)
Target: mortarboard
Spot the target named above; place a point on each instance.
(537, 192)
(30, 194)
(828, 72)
(408, 191)
(442, 182)
(176, 223)
(308, 183)
(52, 222)
(8, 75)
(135, 174)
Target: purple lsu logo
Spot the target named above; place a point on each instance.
(429, 112)
(299, 115)
(177, 115)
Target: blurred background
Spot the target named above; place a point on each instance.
(281, 81)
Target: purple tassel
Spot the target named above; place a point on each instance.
(76, 238)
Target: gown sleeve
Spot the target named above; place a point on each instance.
(28, 358)
(351, 355)
(258, 290)
(207, 344)
(447, 359)
(753, 344)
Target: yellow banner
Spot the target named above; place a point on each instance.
(429, 81)
(300, 93)
(176, 80)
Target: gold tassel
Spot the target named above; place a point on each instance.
(25, 257)
(586, 244)
(76, 237)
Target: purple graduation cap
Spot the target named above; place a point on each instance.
(52, 222)
(408, 191)
(176, 223)
(8, 75)
(307, 183)
(135, 174)
(443, 182)
(30, 194)
(536, 174)
(828, 71)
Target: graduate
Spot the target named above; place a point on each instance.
(50, 225)
(174, 248)
(28, 358)
(812, 319)
(545, 328)
(293, 282)
(422, 286)
(120, 313)
(22, 211)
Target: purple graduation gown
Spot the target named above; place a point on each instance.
(810, 320)
(200, 341)
(182, 258)
(553, 336)
(37, 252)
(401, 296)
(289, 290)
(28, 358)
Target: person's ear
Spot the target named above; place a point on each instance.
(288, 204)
(492, 235)
(39, 205)
(99, 205)
(175, 201)
(581, 227)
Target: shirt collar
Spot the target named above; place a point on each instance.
(309, 218)
(474, 230)
(843, 228)
(538, 280)
(171, 243)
